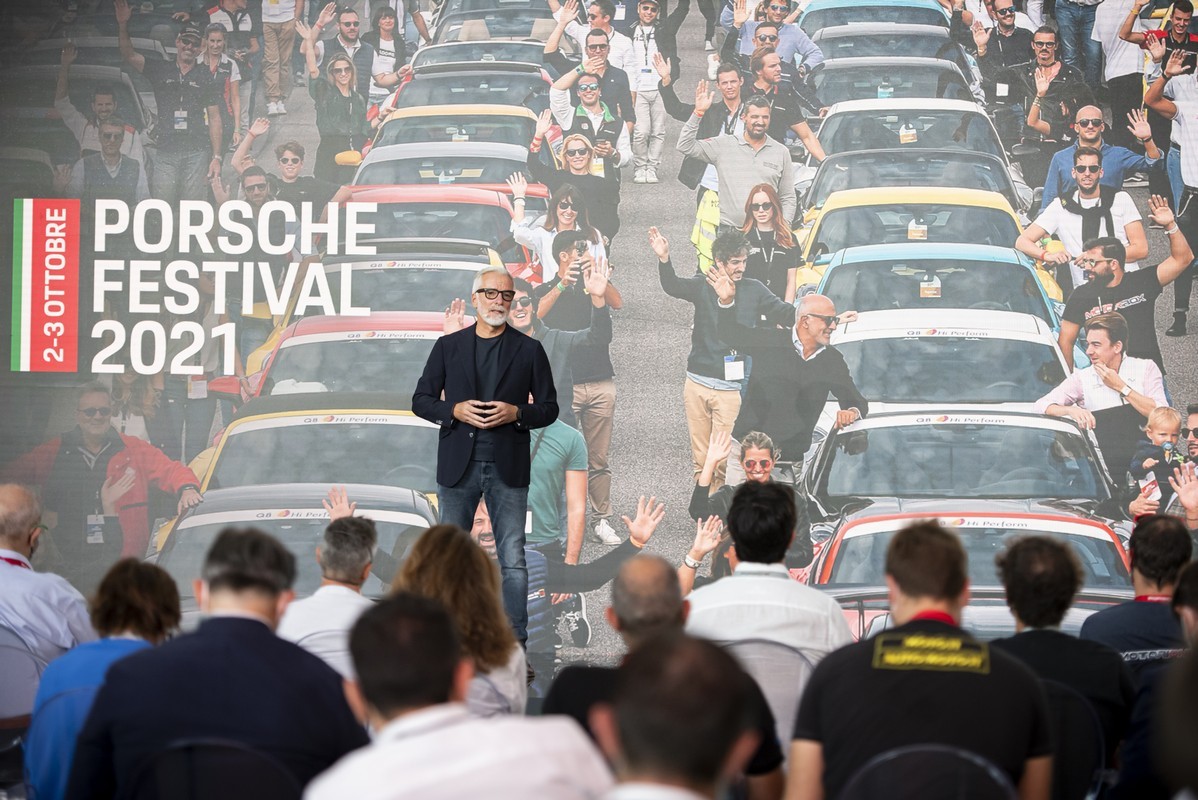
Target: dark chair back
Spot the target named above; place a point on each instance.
(214, 769)
(782, 673)
(928, 772)
(1079, 753)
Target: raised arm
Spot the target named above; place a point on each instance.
(1127, 30)
(123, 14)
(1180, 253)
(674, 107)
(688, 139)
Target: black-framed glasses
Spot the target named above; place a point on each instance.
(1082, 169)
(588, 87)
(1094, 122)
(765, 463)
(1091, 263)
(113, 137)
(601, 46)
(523, 302)
(592, 15)
(1044, 45)
(831, 320)
(350, 24)
(93, 411)
(254, 187)
(767, 37)
(491, 294)
(341, 70)
(760, 206)
(578, 151)
(1186, 433)
(565, 205)
(1009, 11)
(289, 160)
(776, 7)
(648, 7)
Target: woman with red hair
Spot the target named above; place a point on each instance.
(773, 257)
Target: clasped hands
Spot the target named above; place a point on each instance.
(484, 414)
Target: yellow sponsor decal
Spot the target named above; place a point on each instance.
(917, 651)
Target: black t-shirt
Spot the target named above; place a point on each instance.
(572, 312)
(486, 375)
(1145, 633)
(1134, 298)
(769, 261)
(576, 689)
(785, 108)
(305, 189)
(925, 682)
(183, 101)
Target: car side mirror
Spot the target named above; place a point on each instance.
(348, 158)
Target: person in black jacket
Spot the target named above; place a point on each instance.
(578, 153)
(793, 371)
(1041, 575)
(722, 117)
(715, 372)
(476, 386)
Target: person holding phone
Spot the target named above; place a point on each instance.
(568, 211)
(592, 117)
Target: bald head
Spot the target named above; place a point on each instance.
(20, 513)
(815, 304)
(815, 321)
(1089, 135)
(646, 598)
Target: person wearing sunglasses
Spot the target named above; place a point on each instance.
(652, 38)
(190, 132)
(487, 387)
(340, 104)
(48, 614)
(791, 42)
(773, 259)
(1093, 210)
(288, 184)
(794, 370)
(578, 161)
(226, 72)
(103, 105)
(593, 117)
(1041, 89)
(617, 49)
(109, 174)
(1117, 162)
(348, 41)
(77, 475)
(1005, 44)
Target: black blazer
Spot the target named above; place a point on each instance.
(786, 394)
(449, 379)
(231, 679)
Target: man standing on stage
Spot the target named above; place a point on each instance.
(489, 373)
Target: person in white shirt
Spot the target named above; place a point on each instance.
(103, 106)
(649, 133)
(1122, 65)
(278, 38)
(1090, 212)
(413, 677)
(43, 610)
(760, 600)
(599, 14)
(320, 624)
(678, 727)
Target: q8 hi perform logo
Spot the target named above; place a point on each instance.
(45, 291)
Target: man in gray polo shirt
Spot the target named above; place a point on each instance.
(741, 162)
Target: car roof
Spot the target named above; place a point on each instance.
(378, 321)
(101, 71)
(879, 29)
(908, 104)
(307, 495)
(460, 67)
(969, 323)
(897, 195)
(820, 5)
(385, 262)
(425, 193)
(464, 110)
(964, 415)
(857, 62)
(25, 154)
(977, 514)
(452, 251)
(930, 251)
(328, 402)
(394, 152)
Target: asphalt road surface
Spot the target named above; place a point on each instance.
(650, 452)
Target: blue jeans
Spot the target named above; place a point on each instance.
(179, 174)
(1173, 170)
(508, 507)
(1080, 51)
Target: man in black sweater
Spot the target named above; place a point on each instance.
(1041, 576)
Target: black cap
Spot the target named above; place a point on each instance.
(191, 29)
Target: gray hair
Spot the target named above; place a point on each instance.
(348, 548)
(490, 269)
(20, 510)
(805, 303)
(95, 387)
(646, 597)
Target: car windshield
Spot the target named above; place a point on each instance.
(861, 560)
(487, 223)
(462, 52)
(185, 550)
(912, 283)
(462, 88)
(440, 170)
(935, 459)
(371, 361)
(394, 287)
(458, 128)
(499, 24)
(909, 222)
(884, 130)
(834, 84)
(314, 450)
(951, 369)
(818, 19)
(908, 168)
(902, 45)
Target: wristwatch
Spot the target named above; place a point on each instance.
(1125, 391)
(690, 562)
(519, 414)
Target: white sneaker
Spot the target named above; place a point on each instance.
(604, 533)
(708, 46)
(280, 109)
(650, 175)
(639, 175)
(272, 109)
